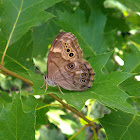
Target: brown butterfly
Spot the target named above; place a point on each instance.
(66, 67)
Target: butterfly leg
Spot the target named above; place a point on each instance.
(46, 87)
(60, 90)
(43, 85)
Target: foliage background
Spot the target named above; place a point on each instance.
(105, 29)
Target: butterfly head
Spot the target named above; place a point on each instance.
(49, 81)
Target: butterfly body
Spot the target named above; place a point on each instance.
(65, 66)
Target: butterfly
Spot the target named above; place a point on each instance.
(66, 67)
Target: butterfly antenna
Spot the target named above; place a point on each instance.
(60, 90)
(37, 70)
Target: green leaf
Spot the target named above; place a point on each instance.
(30, 102)
(17, 17)
(90, 5)
(131, 86)
(5, 100)
(114, 20)
(15, 123)
(134, 19)
(5, 97)
(136, 41)
(111, 65)
(43, 36)
(121, 126)
(19, 55)
(37, 80)
(131, 60)
(90, 34)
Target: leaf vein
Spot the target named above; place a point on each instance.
(128, 126)
(14, 5)
(31, 5)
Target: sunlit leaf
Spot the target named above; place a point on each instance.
(134, 5)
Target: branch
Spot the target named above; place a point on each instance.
(15, 75)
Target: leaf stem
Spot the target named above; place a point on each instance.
(95, 134)
(15, 75)
(78, 132)
(10, 36)
(47, 106)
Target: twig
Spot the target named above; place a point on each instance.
(15, 75)
(3, 73)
